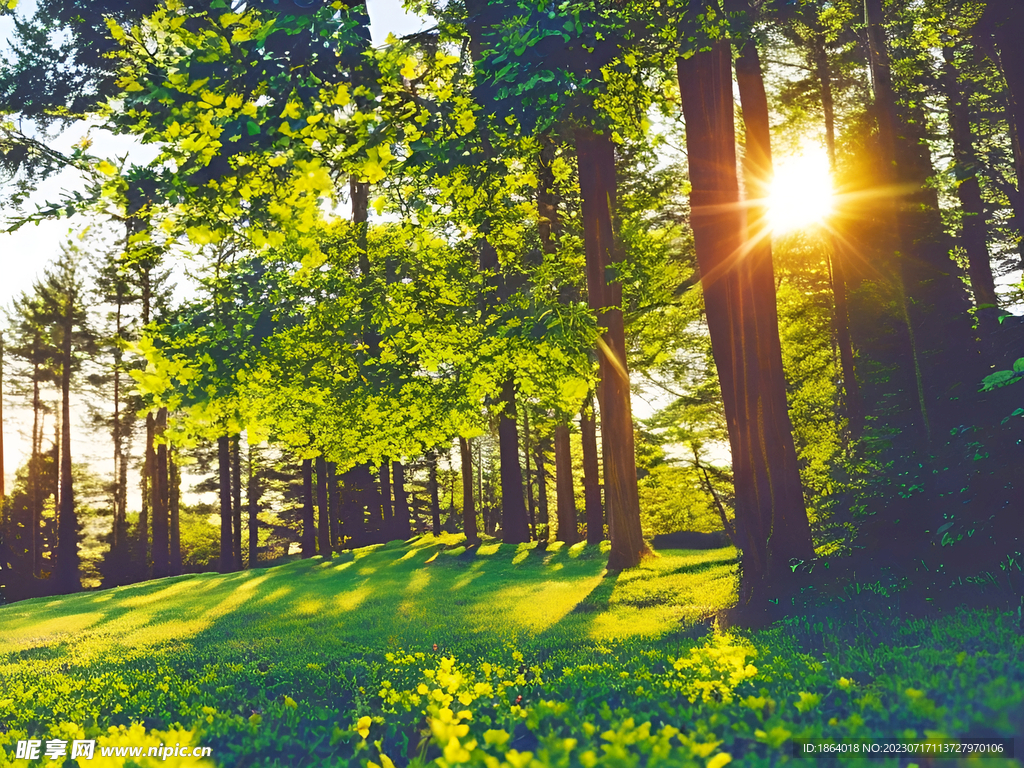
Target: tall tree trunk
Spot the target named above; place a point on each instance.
(468, 507)
(227, 560)
(839, 255)
(161, 527)
(35, 551)
(974, 235)
(334, 505)
(528, 474)
(596, 157)
(435, 505)
(308, 520)
(515, 528)
(68, 579)
(565, 498)
(252, 492)
(592, 506)
(387, 510)
(353, 501)
(372, 500)
(402, 522)
(1000, 31)
(174, 499)
(543, 517)
(148, 468)
(323, 510)
(5, 531)
(771, 520)
(236, 499)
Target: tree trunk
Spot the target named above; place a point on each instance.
(838, 257)
(565, 498)
(353, 500)
(387, 510)
(334, 505)
(515, 528)
(174, 499)
(468, 507)
(35, 551)
(148, 468)
(974, 235)
(252, 492)
(771, 520)
(227, 560)
(323, 510)
(161, 527)
(592, 506)
(68, 579)
(435, 505)
(236, 499)
(528, 474)
(596, 157)
(402, 523)
(308, 520)
(543, 517)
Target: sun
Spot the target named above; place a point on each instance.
(801, 193)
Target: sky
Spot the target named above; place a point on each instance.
(25, 253)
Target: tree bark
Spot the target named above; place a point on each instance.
(565, 498)
(543, 517)
(771, 520)
(252, 492)
(35, 553)
(435, 505)
(334, 504)
(68, 579)
(227, 559)
(323, 510)
(161, 517)
(515, 528)
(174, 500)
(387, 510)
(468, 507)
(308, 519)
(148, 468)
(591, 474)
(532, 510)
(402, 522)
(596, 157)
(973, 229)
(839, 256)
(236, 499)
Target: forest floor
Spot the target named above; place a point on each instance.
(500, 656)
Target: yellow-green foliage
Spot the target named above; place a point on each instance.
(426, 653)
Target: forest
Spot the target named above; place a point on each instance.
(570, 382)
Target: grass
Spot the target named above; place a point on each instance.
(523, 658)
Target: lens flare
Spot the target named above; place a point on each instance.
(801, 194)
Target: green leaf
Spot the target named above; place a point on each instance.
(1018, 367)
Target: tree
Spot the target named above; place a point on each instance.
(62, 294)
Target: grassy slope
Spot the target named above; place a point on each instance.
(273, 666)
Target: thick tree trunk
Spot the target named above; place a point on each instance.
(592, 506)
(974, 234)
(371, 499)
(387, 509)
(161, 518)
(403, 526)
(596, 157)
(468, 507)
(227, 559)
(67, 523)
(308, 519)
(352, 506)
(323, 510)
(515, 528)
(174, 499)
(771, 520)
(565, 498)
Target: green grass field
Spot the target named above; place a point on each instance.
(408, 654)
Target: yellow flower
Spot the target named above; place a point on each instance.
(363, 726)
(722, 758)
